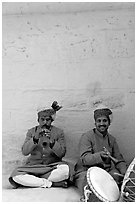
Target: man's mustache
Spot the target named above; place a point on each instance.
(102, 126)
(45, 126)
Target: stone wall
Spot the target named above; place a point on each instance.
(80, 59)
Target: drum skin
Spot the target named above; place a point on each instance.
(103, 186)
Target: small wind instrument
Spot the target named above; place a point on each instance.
(46, 137)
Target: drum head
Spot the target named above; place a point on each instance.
(102, 184)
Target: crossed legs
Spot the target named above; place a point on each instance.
(59, 174)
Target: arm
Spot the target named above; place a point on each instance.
(121, 166)
(59, 148)
(29, 144)
(88, 157)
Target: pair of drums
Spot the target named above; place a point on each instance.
(103, 188)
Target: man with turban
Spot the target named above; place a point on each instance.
(45, 145)
(95, 148)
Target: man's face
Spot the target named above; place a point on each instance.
(102, 124)
(45, 121)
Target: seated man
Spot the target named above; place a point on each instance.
(45, 144)
(99, 148)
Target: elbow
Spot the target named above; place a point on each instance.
(88, 159)
(84, 161)
(62, 153)
(25, 153)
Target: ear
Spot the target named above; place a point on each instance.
(52, 119)
(109, 121)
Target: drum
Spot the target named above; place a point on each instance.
(128, 185)
(101, 186)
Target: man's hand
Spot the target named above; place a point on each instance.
(52, 142)
(41, 135)
(106, 151)
(39, 132)
(104, 155)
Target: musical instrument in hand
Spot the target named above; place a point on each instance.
(45, 134)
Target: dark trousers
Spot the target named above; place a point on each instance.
(80, 180)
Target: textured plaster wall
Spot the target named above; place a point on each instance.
(80, 59)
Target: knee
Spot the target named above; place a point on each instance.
(13, 183)
(60, 173)
(63, 169)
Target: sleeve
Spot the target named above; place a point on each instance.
(87, 155)
(59, 148)
(121, 165)
(28, 145)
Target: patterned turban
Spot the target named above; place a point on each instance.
(50, 112)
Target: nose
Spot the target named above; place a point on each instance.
(44, 121)
(101, 122)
